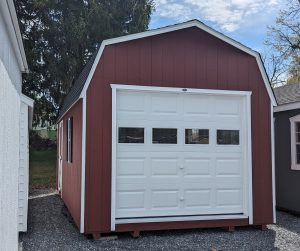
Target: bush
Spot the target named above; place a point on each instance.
(36, 142)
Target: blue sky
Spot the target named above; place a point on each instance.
(244, 20)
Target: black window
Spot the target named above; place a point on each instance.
(228, 137)
(164, 135)
(69, 139)
(131, 135)
(196, 136)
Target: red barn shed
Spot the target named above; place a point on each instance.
(167, 129)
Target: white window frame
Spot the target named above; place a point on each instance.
(248, 210)
(69, 139)
(293, 121)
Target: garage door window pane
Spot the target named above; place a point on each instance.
(228, 137)
(131, 135)
(196, 136)
(164, 136)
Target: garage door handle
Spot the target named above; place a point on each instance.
(181, 199)
(181, 166)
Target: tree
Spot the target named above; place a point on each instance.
(61, 35)
(284, 40)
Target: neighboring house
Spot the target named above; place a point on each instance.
(287, 147)
(15, 120)
(168, 129)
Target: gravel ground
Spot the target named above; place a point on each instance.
(51, 228)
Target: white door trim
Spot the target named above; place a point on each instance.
(60, 156)
(83, 151)
(246, 94)
(273, 164)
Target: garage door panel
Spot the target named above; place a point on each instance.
(164, 167)
(197, 167)
(229, 197)
(131, 167)
(228, 167)
(165, 199)
(155, 179)
(197, 198)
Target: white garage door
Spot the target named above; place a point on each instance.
(179, 154)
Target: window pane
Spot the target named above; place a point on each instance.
(228, 137)
(298, 154)
(164, 136)
(131, 135)
(196, 136)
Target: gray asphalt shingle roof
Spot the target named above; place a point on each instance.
(74, 94)
(287, 93)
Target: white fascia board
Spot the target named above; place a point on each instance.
(287, 107)
(8, 11)
(28, 101)
(193, 23)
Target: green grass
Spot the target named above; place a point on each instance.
(42, 169)
(52, 135)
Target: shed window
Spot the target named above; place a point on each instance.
(70, 139)
(228, 137)
(295, 142)
(164, 135)
(131, 135)
(196, 136)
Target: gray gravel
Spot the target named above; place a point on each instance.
(51, 228)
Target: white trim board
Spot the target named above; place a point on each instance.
(189, 24)
(83, 151)
(182, 218)
(245, 94)
(273, 165)
(293, 121)
(287, 107)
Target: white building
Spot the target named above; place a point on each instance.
(15, 120)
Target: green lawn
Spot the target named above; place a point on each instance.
(42, 169)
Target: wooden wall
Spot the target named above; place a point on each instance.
(71, 172)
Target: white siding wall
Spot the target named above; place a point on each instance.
(23, 170)
(9, 161)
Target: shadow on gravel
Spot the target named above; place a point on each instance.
(50, 227)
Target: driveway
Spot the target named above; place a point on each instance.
(50, 227)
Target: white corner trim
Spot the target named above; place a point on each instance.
(113, 158)
(287, 107)
(9, 14)
(273, 164)
(193, 23)
(245, 94)
(293, 120)
(83, 152)
(249, 159)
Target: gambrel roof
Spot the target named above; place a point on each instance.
(85, 77)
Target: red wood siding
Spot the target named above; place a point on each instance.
(71, 172)
(187, 58)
